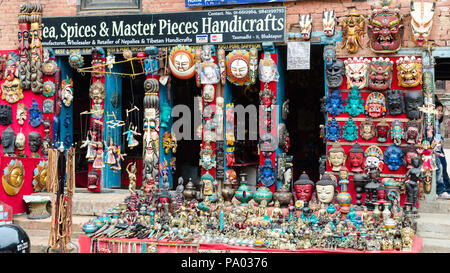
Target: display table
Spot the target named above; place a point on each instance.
(117, 245)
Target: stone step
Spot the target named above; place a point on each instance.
(39, 244)
(44, 224)
(435, 206)
(433, 225)
(431, 245)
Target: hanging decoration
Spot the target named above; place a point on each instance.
(355, 104)
(413, 102)
(413, 132)
(21, 114)
(380, 74)
(375, 105)
(47, 140)
(397, 133)
(20, 144)
(353, 26)
(13, 177)
(422, 14)
(394, 102)
(67, 92)
(367, 129)
(393, 157)
(181, 62)
(34, 142)
(382, 131)
(356, 72)
(356, 158)
(328, 22)
(350, 130)
(409, 71)
(333, 130)
(40, 176)
(268, 71)
(5, 114)
(47, 106)
(374, 158)
(97, 92)
(24, 37)
(238, 67)
(305, 22)
(76, 61)
(334, 73)
(36, 117)
(36, 54)
(48, 89)
(11, 89)
(428, 109)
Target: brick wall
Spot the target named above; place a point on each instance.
(440, 33)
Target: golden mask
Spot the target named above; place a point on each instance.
(409, 71)
(40, 176)
(13, 177)
(352, 32)
(11, 91)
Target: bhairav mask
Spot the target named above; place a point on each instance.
(385, 29)
(393, 157)
(380, 74)
(421, 20)
(352, 31)
(305, 22)
(335, 74)
(8, 140)
(181, 62)
(329, 22)
(375, 105)
(413, 100)
(409, 71)
(356, 158)
(336, 157)
(13, 177)
(356, 72)
(394, 102)
(304, 188)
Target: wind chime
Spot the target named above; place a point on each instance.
(151, 120)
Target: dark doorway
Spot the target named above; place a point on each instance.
(304, 89)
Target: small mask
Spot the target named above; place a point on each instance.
(98, 62)
(181, 62)
(394, 102)
(335, 74)
(413, 100)
(336, 157)
(374, 158)
(40, 176)
(413, 132)
(36, 117)
(210, 73)
(49, 89)
(397, 133)
(20, 141)
(13, 177)
(5, 114)
(393, 157)
(329, 21)
(76, 61)
(355, 104)
(333, 130)
(268, 69)
(11, 91)
(356, 72)
(335, 103)
(352, 31)
(367, 129)
(97, 92)
(409, 71)
(350, 130)
(380, 74)
(356, 158)
(305, 21)
(421, 20)
(385, 29)
(21, 114)
(34, 141)
(410, 152)
(47, 106)
(67, 92)
(208, 93)
(237, 63)
(382, 131)
(375, 105)
(329, 54)
(8, 140)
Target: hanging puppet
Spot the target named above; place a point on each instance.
(130, 133)
(353, 26)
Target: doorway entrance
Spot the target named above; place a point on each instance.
(304, 89)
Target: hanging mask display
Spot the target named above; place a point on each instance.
(380, 74)
(47, 106)
(409, 71)
(305, 22)
(333, 130)
(382, 131)
(208, 93)
(353, 26)
(385, 29)
(336, 157)
(5, 114)
(8, 140)
(67, 92)
(13, 177)
(76, 61)
(40, 174)
(181, 62)
(237, 63)
(394, 102)
(21, 114)
(335, 103)
(207, 158)
(329, 22)
(374, 158)
(36, 117)
(413, 100)
(375, 105)
(266, 173)
(335, 74)
(413, 130)
(355, 104)
(268, 71)
(11, 90)
(356, 72)
(393, 157)
(397, 133)
(350, 130)
(356, 158)
(422, 20)
(367, 129)
(48, 89)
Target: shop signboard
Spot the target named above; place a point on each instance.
(206, 3)
(254, 25)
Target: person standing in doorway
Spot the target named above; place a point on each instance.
(442, 178)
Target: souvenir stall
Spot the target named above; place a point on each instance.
(30, 84)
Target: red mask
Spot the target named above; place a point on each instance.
(24, 41)
(382, 131)
(303, 192)
(385, 30)
(380, 75)
(356, 161)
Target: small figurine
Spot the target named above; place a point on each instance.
(350, 130)
(132, 131)
(353, 27)
(412, 178)
(397, 133)
(333, 130)
(335, 103)
(132, 177)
